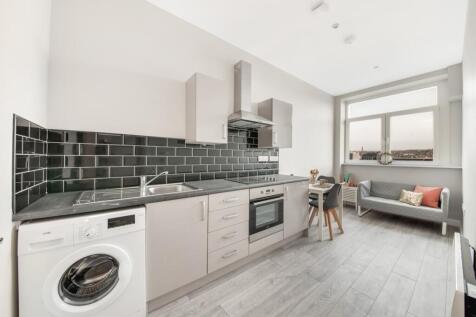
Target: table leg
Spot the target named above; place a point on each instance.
(320, 226)
(341, 207)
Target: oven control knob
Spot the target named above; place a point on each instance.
(272, 190)
(262, 192)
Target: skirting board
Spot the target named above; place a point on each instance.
(184, 290)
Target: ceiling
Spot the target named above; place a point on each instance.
(392, 39)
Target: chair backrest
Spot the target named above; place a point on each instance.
(332, 199)
(328, 179)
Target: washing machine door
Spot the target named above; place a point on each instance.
(88, 281)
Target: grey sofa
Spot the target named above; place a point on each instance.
(384, 197)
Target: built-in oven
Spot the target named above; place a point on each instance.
(266, 212)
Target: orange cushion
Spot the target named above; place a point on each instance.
(431, 195)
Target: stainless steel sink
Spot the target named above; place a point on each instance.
(169, 189)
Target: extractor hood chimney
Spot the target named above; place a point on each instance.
(243, 118)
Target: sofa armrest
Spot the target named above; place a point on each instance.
(363, 190)
(445, 201)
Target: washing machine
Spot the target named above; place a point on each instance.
(91, 265)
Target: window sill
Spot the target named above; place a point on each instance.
(402, 165)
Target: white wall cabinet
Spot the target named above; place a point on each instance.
(281, 133)
(176, 244)
(206, 110)
(295, 207)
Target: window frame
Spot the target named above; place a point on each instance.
(385, 131)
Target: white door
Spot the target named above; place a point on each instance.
(176, 245)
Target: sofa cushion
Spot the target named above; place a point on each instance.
(398, 208)
(411, 198)
(388, 190)
(431, 195)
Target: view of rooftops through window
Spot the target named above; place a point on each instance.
(402, 124)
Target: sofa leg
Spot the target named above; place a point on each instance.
(443, 228)
(360, 213)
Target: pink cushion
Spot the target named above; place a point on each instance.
(431, 195)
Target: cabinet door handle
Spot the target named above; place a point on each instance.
(203, 210)
(286, 191)
(229, 235)
(275, 138)
(1, 239)
(229, 254)
(231, 200)
(228, 217)
(225, 130)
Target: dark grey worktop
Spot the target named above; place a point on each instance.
(64, 204)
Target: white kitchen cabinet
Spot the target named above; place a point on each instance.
(281, 133)
(206, 110)
(296, 200)
(176, 232)
(227, 255)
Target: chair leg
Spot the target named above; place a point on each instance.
(328, 221)
(336, 217)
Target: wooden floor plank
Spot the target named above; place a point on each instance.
(372, 280)
(353, 303)
(429, 298)
(395, 297)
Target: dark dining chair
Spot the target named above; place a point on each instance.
(330, 204)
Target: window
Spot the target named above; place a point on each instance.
(404, 101)
(403, 124)
(412, 137)
(365, 139)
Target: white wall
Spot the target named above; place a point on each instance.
(24, 46)
(121, 66)
(469, 125)
(449, 138)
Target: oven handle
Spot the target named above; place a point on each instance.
(264, 202)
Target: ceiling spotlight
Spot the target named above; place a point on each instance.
(376, 67)
(335, 25)
(320, 5)
(349, 39)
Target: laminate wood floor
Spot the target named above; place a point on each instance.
(383, 265)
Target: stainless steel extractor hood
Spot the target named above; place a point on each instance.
(243, 118)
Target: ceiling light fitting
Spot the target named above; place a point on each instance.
(335, 25)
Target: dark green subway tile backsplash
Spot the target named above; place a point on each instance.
(30, 162)
(60, 160)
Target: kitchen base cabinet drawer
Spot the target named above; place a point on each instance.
(229, 199)
(220, 219)
(227, 236)
(227, 255)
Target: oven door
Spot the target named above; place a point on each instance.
(265, 214)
